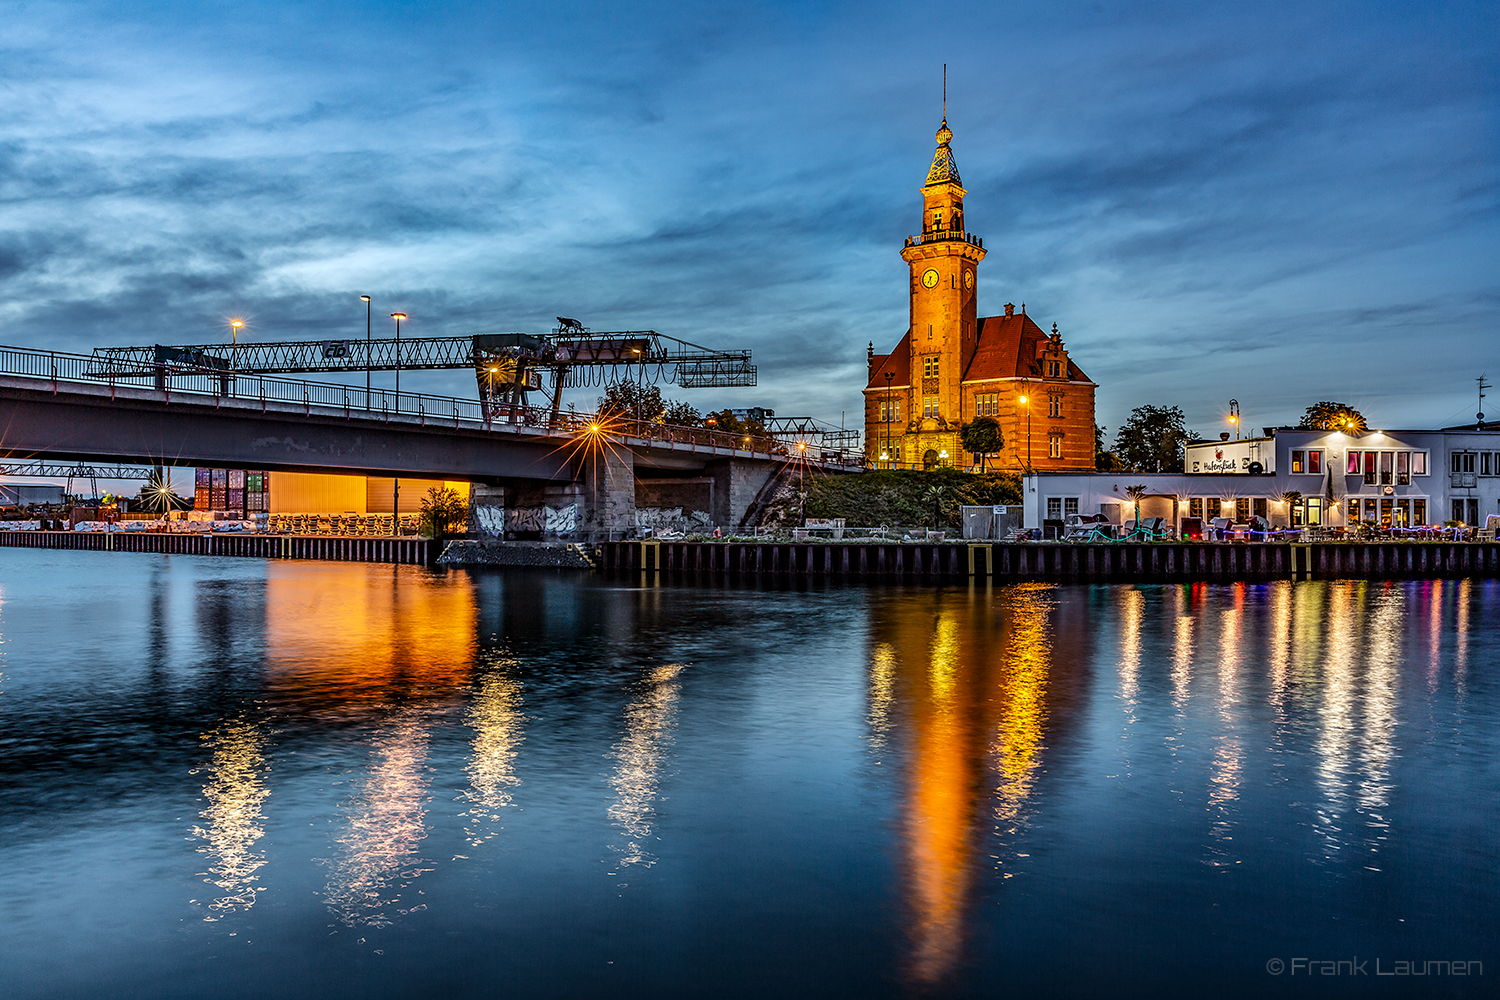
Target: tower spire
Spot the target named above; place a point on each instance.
(945, 93)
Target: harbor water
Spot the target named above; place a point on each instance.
(257, 778)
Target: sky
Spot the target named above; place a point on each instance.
(1279, 203)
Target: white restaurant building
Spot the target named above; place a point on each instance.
(1395, 478)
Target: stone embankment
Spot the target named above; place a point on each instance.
(469, 552)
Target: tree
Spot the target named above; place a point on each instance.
(442, 509)
(633, 401)
(1104, 459)
(725, 420)
(680, 413)
(981, 436)
(1330, 416)
(1151, 439)
(935, 494)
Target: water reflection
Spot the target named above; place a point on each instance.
(351, 634)
(235, 789)
(963, 692)
(1228, 759)
(495, 716)
(639, 758)
(381, 842)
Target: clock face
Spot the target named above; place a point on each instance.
(930, 278)
(968, 279)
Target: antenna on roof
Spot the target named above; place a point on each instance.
(945, 91)
(1483, 385)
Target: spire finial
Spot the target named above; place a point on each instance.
(945, 92)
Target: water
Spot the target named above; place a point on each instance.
(244, 778)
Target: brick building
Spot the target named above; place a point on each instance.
(953, 366)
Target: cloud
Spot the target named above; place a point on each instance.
(1209, 201)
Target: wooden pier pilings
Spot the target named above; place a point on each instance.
(1103, 563)
(417, 551)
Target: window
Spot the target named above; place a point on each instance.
(1054, 369)
(1372, 459)
(1419, 463)
(1352, 467)
(1054, 508)
(1299, 463)
(1054, 446)
(890, 411)
(1070, 505)
(890, 448)
(1403, 468)
(1260, 506)
(1241, 509)
(929, 366)
(1353, 515)
(1463, 461)
(1212, 508)
(1054, 406)
(929, 406)
(1484, 463)
(1403, 513)
(987, 405)
(1419, 512)
(1387, 465)
(1315, 463)
(1314, 510)
(1195, 507)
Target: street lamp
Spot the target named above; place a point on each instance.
(234, 339)
(366, 300)
(398, 317)
(1027, 404)
(396, 482)
(1234, 417)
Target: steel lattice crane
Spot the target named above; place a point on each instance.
(507, 366)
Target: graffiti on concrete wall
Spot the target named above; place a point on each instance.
(557, 520)
(489, 520)
(562, 520)
(672, 519)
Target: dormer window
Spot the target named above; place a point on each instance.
(1054, 369)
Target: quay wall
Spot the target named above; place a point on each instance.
(1103, 563)
(417, 551)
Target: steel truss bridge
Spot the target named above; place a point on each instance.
(507, 366)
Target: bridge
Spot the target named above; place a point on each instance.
(63, 406)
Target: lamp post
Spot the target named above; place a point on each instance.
(1234, 417)
(366, 300)
(1026, 403)
(802, 482)
(234, 341)
(398, 317)
(396, 482)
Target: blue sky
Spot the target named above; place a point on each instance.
(1280, 203)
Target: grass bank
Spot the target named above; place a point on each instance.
(894, 497)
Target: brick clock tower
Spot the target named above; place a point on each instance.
(953, 366)
(943, 260)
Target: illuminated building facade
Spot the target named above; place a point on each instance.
(953, 366)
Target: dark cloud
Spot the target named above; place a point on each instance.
(1243, 200)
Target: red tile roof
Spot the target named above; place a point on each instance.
(1006, 349)
(897, 362)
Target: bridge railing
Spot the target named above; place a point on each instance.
(172, 378)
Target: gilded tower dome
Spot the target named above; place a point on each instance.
(944, 170)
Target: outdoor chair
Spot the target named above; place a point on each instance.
(1219, 528)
